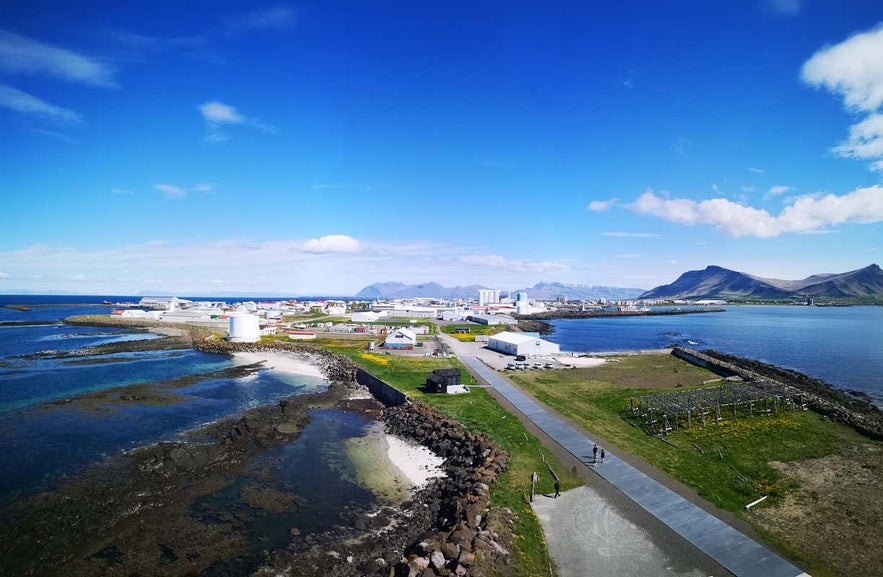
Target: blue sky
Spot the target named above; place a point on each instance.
(315, 148)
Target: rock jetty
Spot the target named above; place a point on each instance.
(846, 407)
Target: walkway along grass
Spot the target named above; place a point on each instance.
(734, 463)
(481, 413)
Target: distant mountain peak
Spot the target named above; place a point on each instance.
(718, 282)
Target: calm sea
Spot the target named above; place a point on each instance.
(840, 345)
(40, 440)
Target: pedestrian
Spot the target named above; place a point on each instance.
(602, 455)
(595, 454)
(557, 488)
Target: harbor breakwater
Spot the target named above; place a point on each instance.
(846, 407)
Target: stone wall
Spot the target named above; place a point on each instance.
(461, 541)
(389, 396)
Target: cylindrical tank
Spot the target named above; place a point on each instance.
(244, 329)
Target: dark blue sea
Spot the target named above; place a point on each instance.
(840, 345)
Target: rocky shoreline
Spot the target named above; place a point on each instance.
(133, 514)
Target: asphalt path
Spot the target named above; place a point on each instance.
(577, 551)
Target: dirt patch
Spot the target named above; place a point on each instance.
(836, 513)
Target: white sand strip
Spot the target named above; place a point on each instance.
(416, 462)
(278, 361)
(580, 361)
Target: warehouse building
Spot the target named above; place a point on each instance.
(522, 344)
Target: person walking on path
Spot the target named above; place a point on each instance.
(602, 455)
(557, 488)
(595, 454)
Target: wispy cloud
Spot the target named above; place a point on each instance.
(777, 190)
(497, 261)
(23, 103)
(332, 243)
(784, 7)
(170, 190)
(21, 55)
(173, 191)
(756, 170)
(683, 146)
(218, 116)
(120, 191)
(631, 234)
(808, 213)
(278, 17)
(601, 205)
(853, 69)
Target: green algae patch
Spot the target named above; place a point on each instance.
(373, 468)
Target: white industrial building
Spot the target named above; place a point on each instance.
(488, 297)
(522, 344)
(161, 303)
(244, 328)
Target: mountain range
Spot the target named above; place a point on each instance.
(715, 282)
(540, 291)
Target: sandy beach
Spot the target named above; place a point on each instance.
(281, 362)
(416, 462)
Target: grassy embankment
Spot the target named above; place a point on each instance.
(473, 328)
(479, 412)
(598, 398)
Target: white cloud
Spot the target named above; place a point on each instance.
(332, 243)
(20, 55)
(809, 213)
(170, 190)
(497, 261)
(756, 170)
(601, 205)
(120, 191)
(203, 187)
(3, 275)
(220, 113)
(747, 189)
(853, 69)
(865, 140)
(778, 189)
(217, 115)
(24, 103)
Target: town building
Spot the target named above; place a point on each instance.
(401, 339)
(526, 344)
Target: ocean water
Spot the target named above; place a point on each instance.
(43, 438)
(840, 345)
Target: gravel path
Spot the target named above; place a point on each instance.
(587, 535)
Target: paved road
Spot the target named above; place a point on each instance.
(740, 554)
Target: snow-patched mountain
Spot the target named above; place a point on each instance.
(540, 291)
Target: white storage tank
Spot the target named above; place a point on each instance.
(522, 305)
(244, 328)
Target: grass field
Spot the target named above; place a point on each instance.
(474, 329)
(480, 412)
(731, 463)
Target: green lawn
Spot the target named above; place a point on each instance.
(598, 399)
(479, 412)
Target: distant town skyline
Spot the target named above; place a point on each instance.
(314, 149)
